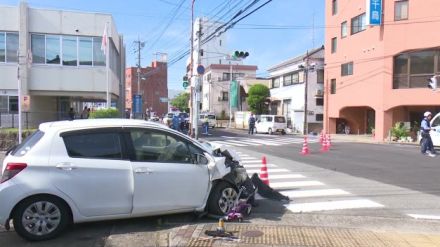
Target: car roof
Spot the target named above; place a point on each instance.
(97, 123)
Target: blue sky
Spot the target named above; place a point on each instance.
(148, 19)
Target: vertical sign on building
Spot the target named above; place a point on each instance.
(233, 92)
(137, 103)
(374, 12)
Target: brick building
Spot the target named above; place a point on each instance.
(153, 87)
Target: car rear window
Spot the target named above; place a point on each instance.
(211, 116)
(94, 145)
(27, 144)
(280, 120)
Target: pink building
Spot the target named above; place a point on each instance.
(376, 76)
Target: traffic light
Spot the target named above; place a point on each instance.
(185, 82)
(240, 54)
(432, 83)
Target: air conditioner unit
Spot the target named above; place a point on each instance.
(319, 92)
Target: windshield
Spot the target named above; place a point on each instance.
(183, 114)
(211, 116)
(280, 120)
(27, 144)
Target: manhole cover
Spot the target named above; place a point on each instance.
(253, 234)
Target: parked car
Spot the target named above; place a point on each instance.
(212, 119)
(168, 118)
(270, 124)
(102, 169)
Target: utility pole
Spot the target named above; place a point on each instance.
(197, 93)
(193, 121)
(306, 71)
(140, 45)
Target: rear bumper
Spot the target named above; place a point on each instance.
(8, 192)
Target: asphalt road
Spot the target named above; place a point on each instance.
(399, 165)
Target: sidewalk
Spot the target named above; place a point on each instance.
(286, 235)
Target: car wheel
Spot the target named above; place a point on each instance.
(223, 197)
(41, 218)
(270, 131)
(283, 132)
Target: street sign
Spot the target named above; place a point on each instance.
(163, 99)
(200, 69)
(137, 103)
(374, 12)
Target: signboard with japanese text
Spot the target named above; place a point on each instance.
(137, 103)
(374, 12)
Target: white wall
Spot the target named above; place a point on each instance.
(9, 18)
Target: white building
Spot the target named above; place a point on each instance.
(216, 87)
(60, 59)
(288, 90)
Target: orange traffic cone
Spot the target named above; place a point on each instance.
(324, 146)
(264, 175)
(305, 148)
(329, 144)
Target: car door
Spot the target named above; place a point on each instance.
(165, 176)
(435, 130)
(91, 169)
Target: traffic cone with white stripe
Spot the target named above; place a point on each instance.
(324, 146)
(264, 175)
(305, 148)
(321, 137)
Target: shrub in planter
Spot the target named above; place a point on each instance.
(105, 113)
(9, 137)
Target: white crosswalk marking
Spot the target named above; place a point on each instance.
(284, 176)
(425, 217)
(247, 158)
(314, 193)
(275, 170)
(290, 185)
(257, 165)
(269, 141)
(250, 161)
(332, 205)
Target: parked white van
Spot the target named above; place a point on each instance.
(212, 120)
(271, 123)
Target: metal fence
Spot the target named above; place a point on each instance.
(31, 120)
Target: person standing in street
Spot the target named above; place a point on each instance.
(206, 124)
(71, 114)
(427, 147)
(85, 113)
(251, 123)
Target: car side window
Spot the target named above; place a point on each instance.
(436, 122)
(269, 119)
(94, 145)
(158, 146)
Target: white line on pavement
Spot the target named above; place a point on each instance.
(243, 143)
(257, 165)
(283, 176)
(290, 185)
(425, 217)
(313, 193)
(228, 144)
(250, 161)
(275, 170)
(247, 158)
(332, 205)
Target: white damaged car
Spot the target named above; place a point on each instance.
(89, 170)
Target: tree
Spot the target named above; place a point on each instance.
(181, 101)
(257, 99)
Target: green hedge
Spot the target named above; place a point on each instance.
(9, 137)
(105, 113)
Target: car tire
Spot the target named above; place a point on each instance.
(269, 131)
(283, 132)
(222, 198)
(27, 210)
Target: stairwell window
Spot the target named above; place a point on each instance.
(333, 86)
(401, 10)
(344, 29)
(334, 7)
(358, 24)
(275, 82)
(334, 44)
(347, 69)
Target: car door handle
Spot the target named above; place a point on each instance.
(66, 166)
(143, 170)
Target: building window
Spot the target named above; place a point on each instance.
(220, 42)
(347, 69)
(319, 117)
(334, 7)
(287, 80)
(275, 82)
(320, 76)
(85, 51)
(319, 101)
(225, 96)
(334, 44)
(13, 103)
(8, 47)
(69, 51)
(401, 10)
(333, 86)
(412, 69)
(358, 23)
(344, 29)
